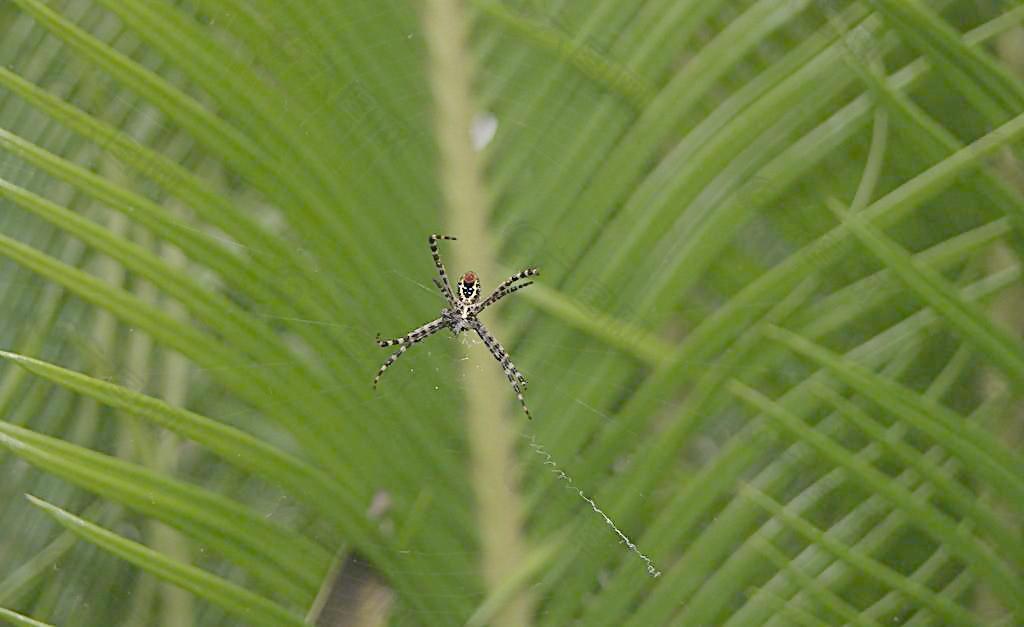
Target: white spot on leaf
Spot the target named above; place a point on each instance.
(484, 128)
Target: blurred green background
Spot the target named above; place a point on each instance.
(776, 340)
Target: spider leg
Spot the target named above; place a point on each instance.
(445, 287)
(498, 295)
(522, 274)
(414, 336)
(522, 380)
(515, 377)
(503, 289)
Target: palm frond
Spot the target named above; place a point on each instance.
(773, 347)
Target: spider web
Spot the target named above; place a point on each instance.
(436, 393)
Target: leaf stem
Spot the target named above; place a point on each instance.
(491, 438)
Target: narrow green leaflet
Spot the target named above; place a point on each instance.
(576, 53)
(253, 608)
(978, 449)
(286, 562)
(966, 502)
(950, 611)
(998, 575)
(818, 591)
(967, 318)
(20, 620)
(233, 445)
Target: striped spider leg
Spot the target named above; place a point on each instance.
(461, 315)
(443, 284)
(507, 288)
(414, 336)
(515, 377)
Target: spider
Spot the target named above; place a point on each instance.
(460, 315)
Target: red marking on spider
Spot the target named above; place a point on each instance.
(469, 277)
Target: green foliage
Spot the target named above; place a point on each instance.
(776, 338)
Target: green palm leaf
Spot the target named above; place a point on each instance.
(773, 353)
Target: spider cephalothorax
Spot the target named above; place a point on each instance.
(469, 289)
(461, 315)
